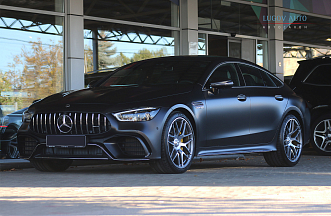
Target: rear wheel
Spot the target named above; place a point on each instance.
(289, 144)
(321, 135)
(177, 145)
(51, 165)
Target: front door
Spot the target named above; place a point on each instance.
(228, 110)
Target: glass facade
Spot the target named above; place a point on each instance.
(118, 44)
(159, 12)
(232, 17)
(306, 29)
(48, 5)
(202, 44)
(31, 65)
(262, 52)
(322, 7)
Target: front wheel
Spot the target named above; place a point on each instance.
(10, 142)
(177, 145)
(321, 135)
(289, 144)
(51, 165)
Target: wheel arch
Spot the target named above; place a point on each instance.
(299, 115)
(319, 111)
(188, 113)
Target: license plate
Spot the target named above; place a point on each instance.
(67, 141)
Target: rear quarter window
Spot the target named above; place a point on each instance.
(321, 75)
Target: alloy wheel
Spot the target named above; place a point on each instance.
(292, 140)
(180, 141)
(322, 135)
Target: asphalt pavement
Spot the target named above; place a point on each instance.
(241, 186)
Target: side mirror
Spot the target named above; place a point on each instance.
(91, 84)
(228, 83)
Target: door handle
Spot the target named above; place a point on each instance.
(279, 97)
(241, 97)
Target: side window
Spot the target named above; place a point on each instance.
(252, 75)
(225, 72)
(267, 80)
(320, 76)
(276, 81)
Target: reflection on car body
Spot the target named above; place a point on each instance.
(167, 111)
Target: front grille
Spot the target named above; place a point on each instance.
(27, 145)
(81, 123)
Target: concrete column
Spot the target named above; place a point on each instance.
(189, 27)
(276, 39)
(74, 45)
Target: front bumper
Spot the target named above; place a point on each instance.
(124, 141)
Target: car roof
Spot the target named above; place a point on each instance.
(200, 57)
(317, 60)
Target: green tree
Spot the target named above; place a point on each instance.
(42, 73)
(147, 54)
(121, 60)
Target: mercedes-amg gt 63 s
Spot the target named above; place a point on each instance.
(166, 111)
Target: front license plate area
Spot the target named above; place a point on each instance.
(67, 141)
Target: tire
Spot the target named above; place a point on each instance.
(51, 165)
(177, 145)
(289, 144)
(321, 135)
(11, 142)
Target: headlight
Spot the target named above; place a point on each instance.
(26, 117)
(143, 114)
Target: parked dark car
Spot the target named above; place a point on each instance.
(167, 111)
(8, 133)
(312, 81)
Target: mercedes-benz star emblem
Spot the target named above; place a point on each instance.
(64, 123)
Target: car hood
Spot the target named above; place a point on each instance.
(112, 95)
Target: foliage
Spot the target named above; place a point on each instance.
(147, 54)
(35, 73)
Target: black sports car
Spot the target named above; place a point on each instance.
(167, 111)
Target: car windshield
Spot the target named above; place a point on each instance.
(158, 72)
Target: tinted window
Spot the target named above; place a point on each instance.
(158, 72)
(276, 81)
(320, 76)
(252, 75)
(225, 72)
(267, 80)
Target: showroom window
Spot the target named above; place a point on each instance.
(322, 7)
(202, 44)
(262, 53)
(31, 65)
(292, 54)
(306, 29)
(48, 5)
(232, 17)
(118, 44)
(159, 12)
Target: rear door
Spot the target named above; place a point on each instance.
(267, 103)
